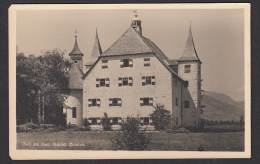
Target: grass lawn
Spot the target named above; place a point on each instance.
(90, 140)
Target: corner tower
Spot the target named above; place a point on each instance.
(189, 68)
(76, 55)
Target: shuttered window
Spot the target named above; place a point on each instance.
(126, 63)
(104, 82)
(146, 62)
(104, 64)
(115, 102)
(94, 121)
(125, 81)
(146, 121)
(94, 102)
(115, 120)
(146, 101)
(148, 80)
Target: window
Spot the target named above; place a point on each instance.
(126, 81)
(115, 121)
(126, 63)
(94, 102)
(186, 104)
(102, 82)
(146, 101)
(75, 61)
(146, 121)
(115, 102)
(148, 80)
(186, 84)
(176, 101)
(187, 68)
(74, 112)
(94, 121)
(146, 62)
(104, 64)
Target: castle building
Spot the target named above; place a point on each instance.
(130, 78)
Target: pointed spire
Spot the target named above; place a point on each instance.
(96, 51)
(76, 50)
(189, 52)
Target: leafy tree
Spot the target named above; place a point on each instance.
(161, 117)
(105, 122)
(42, 83)
(131, 138)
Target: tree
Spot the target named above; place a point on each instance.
(131, 138)
(41, 81)
(241, 120)
(161, 117)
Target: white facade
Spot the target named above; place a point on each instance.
(133, 90)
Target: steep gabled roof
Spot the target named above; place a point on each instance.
(75, 77)
(96, 51)
(76, 50)
(129, 43)
(189, 53)
(156, 49)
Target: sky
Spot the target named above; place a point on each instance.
(218, 35)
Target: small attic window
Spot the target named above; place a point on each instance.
(187, 69)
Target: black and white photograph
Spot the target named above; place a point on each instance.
(138, 81)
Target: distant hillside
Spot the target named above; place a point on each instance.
(221, 107)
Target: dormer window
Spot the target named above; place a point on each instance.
(187, 69)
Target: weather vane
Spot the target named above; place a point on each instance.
(76, 33)
(135, 11)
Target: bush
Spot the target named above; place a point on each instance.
(85, 122)
(85, 129)
(105, 122)
(32, 125)
(161, 117)
(28, 127)
(131, 137)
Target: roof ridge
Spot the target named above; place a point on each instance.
(125, 44)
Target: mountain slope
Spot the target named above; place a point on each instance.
(221, 107)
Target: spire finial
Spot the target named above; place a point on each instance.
(76, 33)
(135, 11)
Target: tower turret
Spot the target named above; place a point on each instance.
(96, 52)
(76, 54)
(189, 68)
(136, 23)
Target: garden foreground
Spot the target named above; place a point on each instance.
(101, 140)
